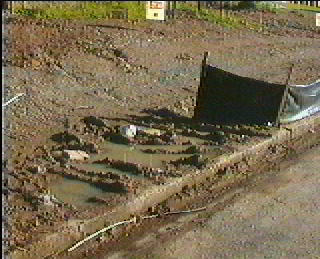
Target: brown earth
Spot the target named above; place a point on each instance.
(124, 71)
(274, 214)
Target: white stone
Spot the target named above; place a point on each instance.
(76, 154)
(129, 131)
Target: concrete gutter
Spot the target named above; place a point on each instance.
(70, 233)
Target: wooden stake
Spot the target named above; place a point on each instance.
(221, 9)
(203, 74)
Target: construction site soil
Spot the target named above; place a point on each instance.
(82, 82)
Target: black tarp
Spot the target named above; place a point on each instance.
(225, 98)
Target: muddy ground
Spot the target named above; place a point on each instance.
(140, 73)
(256, 220)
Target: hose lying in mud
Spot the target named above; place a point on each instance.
(133, 220)
(12, 99)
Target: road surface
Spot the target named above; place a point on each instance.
(277, 216)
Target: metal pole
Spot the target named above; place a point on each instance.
(203, 74)
(285, 95)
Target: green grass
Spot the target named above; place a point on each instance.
(136, 12)
(303, 7)
(268, 7)
(213, 16)
(82, 11)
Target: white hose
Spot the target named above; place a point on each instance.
(12, 99)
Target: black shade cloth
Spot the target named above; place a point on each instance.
(225, 98)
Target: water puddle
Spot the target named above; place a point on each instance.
(136, 154)
(105, 168)
(79, 193)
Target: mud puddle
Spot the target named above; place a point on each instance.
(135, 154)
(79, 193)
(93, 167)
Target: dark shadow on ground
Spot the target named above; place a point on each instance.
(64, 137)
(165, 117)
(112, 27)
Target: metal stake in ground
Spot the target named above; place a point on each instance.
(66, 130)
(285, 96)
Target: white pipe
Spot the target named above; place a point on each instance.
(11, 100)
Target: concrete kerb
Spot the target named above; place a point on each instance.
(157, 194)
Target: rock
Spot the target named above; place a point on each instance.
(35, 64)
(75, 154)
(128, 131)
(57, 154)
(149, 131)
(48, 199)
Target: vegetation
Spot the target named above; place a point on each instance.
(267, 7)
(214, 16)
(136, 12)
(262, 6)
(303, 7)
(82, 11)
(244, 5)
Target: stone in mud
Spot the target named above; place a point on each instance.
(36, 64)
(149, 131)
(75, 155)
(57, 154)
(47, 199)
(128, 131)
